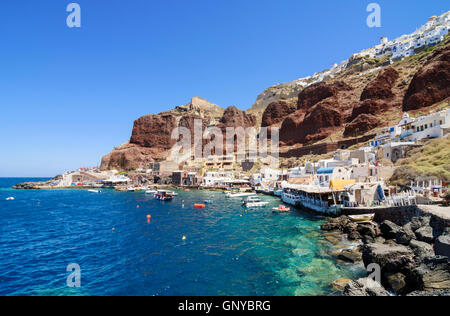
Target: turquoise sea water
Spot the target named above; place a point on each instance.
(227, 251)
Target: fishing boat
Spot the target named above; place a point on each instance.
(239, 194)
(281, 209)
(151, 192)
(131, 189)
(163, 196)
(362, 218)
(10, 199)
(94, 191)
(173, 193)
(254, 201)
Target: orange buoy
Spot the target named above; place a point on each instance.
(137, 206)
(149, 216)
(199, 205)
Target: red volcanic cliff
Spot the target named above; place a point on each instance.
(381, 87)
(431, 84)
(154, 131)
(276, 112)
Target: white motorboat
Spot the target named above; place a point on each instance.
(239, 194)
(173, 193)
(10, 198)
(131, 189)
(94, 191)
(151, 192)
(254, 201)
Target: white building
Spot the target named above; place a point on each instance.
(430, 126)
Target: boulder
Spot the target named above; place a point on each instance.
(336, 224)
(396, 282)
(234, 117)
(339, 285)
(433, 274)
(425, 234)
(390, 258)
(405, 235)
(390, 229)
(430, 293)
(154, 131)
(442, 246)
(421, 250)
(369, 229)
(350, 256)
(419, 222)
(365, 287)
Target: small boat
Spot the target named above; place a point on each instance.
(163, 196)
(240, 194)
(199, 205)
(278, 193)
(10, 198)
(173, 193)
(209, 201)
(151, 192)
(281, 209)
(254, 201)
(94, 191)
(362, 218)
(131, 189)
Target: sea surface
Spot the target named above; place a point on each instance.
(227, 250)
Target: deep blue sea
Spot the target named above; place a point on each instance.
(227, 251)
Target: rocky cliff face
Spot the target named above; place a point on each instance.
(233, 117)
(431, 84)
(276, 112)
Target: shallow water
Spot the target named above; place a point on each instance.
(227, 251)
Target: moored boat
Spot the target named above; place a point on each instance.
(163, 196)
(239, 194)
(281, 209)
(254, 201)
(362, 218)
(94, 191)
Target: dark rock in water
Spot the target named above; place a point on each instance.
(421, 250)
(430, 293)
(336, 224)
(391, 258)
(433, 274)
(425, 234)
(405, 235)
(396, 282)
(354, 235)
(365, 287)
(390, 229)
(442, 246)
(419, 222)
(369, 229)
(350, 256)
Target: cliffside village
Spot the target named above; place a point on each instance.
(354, 179)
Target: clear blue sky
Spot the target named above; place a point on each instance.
(68, 96)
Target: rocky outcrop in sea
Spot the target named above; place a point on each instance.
(414, 258)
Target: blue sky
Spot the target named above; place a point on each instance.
(68, 96)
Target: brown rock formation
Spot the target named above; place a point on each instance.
(276, 112)
(154, 131)
(360, 125)
(129, 157)
(233, 117)
(318, 92)
(431, 84)
(381, 86)
(370, 106)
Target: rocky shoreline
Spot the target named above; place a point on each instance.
(414, 258)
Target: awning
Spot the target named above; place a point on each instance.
(341, 184)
